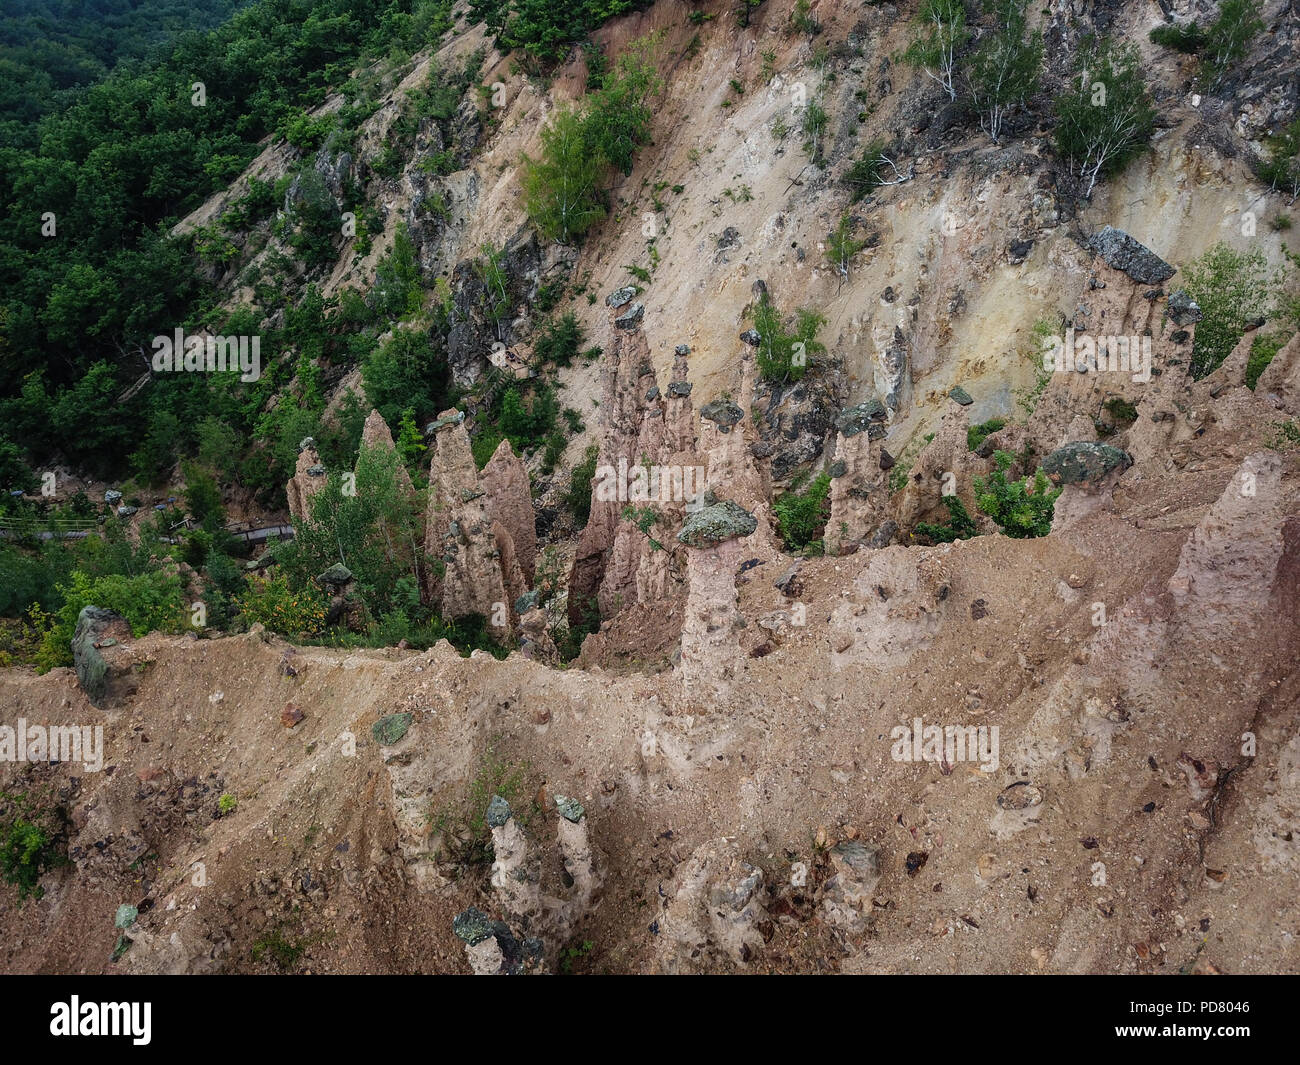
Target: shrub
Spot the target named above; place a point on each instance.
(1022, 509)
(1121, 410)
(961, 526)
(867, 173)
(1262, 350)
(27, 849)
(801, 515)
(578, 497)
(783, 355)
(291, 612)
(1232, 288)
(148, 601)
(559, 340)
(975, 434)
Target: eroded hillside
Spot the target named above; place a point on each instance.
(740, 769)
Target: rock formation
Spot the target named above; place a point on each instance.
(308, 479)
(481, 572)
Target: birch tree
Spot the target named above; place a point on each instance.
(1005, 68)
(941, 29)
(1105, 116)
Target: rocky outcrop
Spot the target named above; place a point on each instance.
(647, 475)
(858, 491)
(481, 574)
(510, 504)
(96, 627)
(711, 656)
(712, 911)
(308, 479)
(524, 890)
(944, 465)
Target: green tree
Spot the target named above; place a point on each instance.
(1105, 116)
(940, 27)
(841, 247)
(561, 193)
(1232, 288)
(1004, 70)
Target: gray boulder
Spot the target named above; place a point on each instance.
(1123, 253)
(1084, 461)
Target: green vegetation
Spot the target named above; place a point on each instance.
(867, 173)
(801, 515)
(150, 602)
(1104, 116)
(960, 525)
(975, 434)
(226, 804)
(1022, 509)
(842, 247)
(1281, 165)
(1121, 410)
(940, 27)
(578, 498)
(1221, 45)
(1262, 350)
(281, 949)
(29, 847)
(1232, 288)
(1005, 67)
(563, 190)
(783, 354)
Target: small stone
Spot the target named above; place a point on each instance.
(681, 349)
(1020, 796)
(389, 729)
(473, 926)
(125, 916)
(570, 809)
(722, 412)
(961, 396)
(291, 716)
(620, 297)
(498, 812)
(336, 576)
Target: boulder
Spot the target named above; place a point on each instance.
(1084, 461)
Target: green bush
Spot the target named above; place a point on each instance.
(1022, 509)
(558, 341)
(961, 526)
(1188, 39)
(783, 355)
(27, 848)
(801, 515)
(149, 602)
(975, 434)
(578, 497)
(1262, 350)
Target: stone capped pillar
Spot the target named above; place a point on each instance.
(856, 477)
(711, 654)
